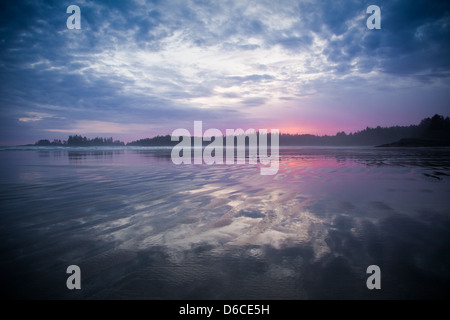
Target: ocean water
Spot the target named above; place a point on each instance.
(140, 227)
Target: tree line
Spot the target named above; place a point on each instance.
(430, 131)
(79, 141)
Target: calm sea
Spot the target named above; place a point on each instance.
(140, 227)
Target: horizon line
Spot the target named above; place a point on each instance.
(256, 130)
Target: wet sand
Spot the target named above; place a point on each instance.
(141, 227)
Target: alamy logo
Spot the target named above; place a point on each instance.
(374, 21)
(213, 153)
(74, 21)
(374, 281)
(73, 281)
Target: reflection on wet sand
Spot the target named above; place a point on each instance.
(141, 227)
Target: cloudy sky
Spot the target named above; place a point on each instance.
(140, 68)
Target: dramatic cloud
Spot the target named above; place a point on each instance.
(140, 68)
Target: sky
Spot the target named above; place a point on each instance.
(140, 68)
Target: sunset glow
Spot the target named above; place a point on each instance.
(138, 69)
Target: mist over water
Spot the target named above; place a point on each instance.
(140, 227)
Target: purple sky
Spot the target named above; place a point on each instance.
(141, 68)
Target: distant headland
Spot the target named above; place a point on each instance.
(431, 132)
(79, 141)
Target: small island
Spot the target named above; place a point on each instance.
(79, 141)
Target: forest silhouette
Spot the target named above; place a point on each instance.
(434, 131)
